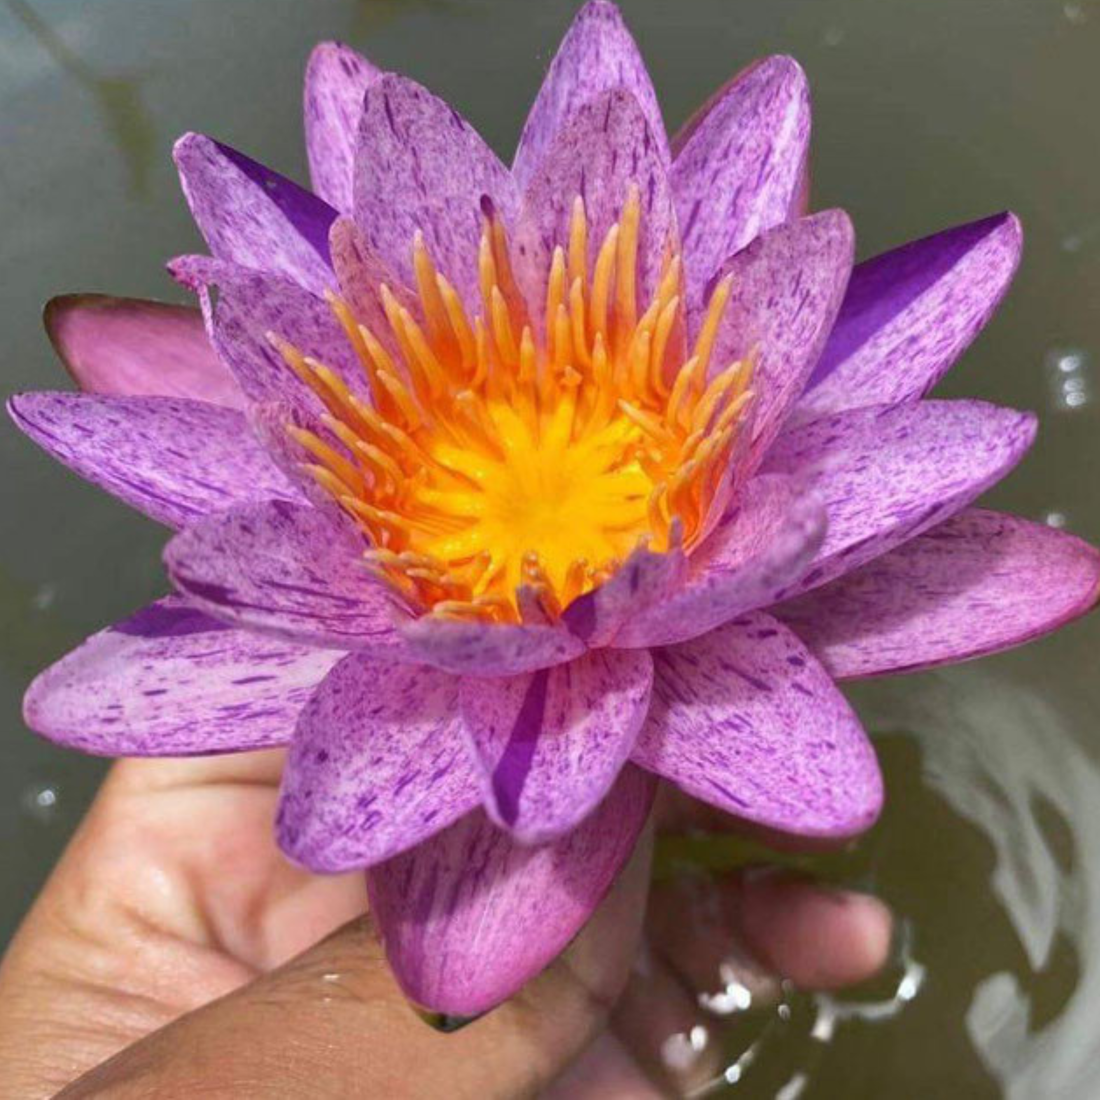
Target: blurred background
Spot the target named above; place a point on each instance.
(927, 113)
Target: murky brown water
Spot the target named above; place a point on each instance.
(929, 112)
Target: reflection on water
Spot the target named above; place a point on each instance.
(990, 851)
(1007, 760)
(929, 112)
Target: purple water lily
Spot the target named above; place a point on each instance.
(501, 493)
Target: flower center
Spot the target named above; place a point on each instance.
(504, 468)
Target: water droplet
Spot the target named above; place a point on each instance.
(908, 988)
(832, 37)
(1069, 376)
(1057, 519)
(40, 802)
(44, 598)
(733, 996)
(680, 1051)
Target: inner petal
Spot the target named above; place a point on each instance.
(508, 464)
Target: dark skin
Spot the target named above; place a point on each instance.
(175, 953)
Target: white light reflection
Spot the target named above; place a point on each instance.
(832, 1011)
(992, 769)
(679, 1052)
(1069, 377)
(39, 802)
(734, 996)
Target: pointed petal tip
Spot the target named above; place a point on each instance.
(445, 1022)
(599, 9)
(187, 143)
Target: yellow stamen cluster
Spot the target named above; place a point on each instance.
(504, 467)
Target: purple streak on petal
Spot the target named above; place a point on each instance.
(909, 314)
(419, 165)
(760, 549)
(596, 55)
(170, 681)
(739, 171)
(514, 765)
(249, 306)
(887, 473)
(252, 216)
(469, 916)
(336, 79)
(488, 649)
(606, 146)
(171, 617)
(978, 583)
(549, 745)
(787, 287)
(171, 458)
(377, 765)
(132, 348)
(287, 570)
(644, 580)
(744, 718)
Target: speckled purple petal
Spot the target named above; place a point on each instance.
(547, 746)
(377, 765)
(288, 570)
(645, 579)
(252, 216)
(360, 273)
(744, 718)
(596, 55)
(171, 681)
(336, 79)
(887, 473)
(247, 307)
(979, 583)
(762, 546)
(128, 347)
(787, 287)
(739, 172)
(419, 165)
(469, 916)
(606, 146)
(909, 314)
(169, 457)
(488, 649)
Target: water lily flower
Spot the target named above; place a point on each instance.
(499, 493)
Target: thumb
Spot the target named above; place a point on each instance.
(333, 1023)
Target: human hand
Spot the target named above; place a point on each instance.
(174, 950)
